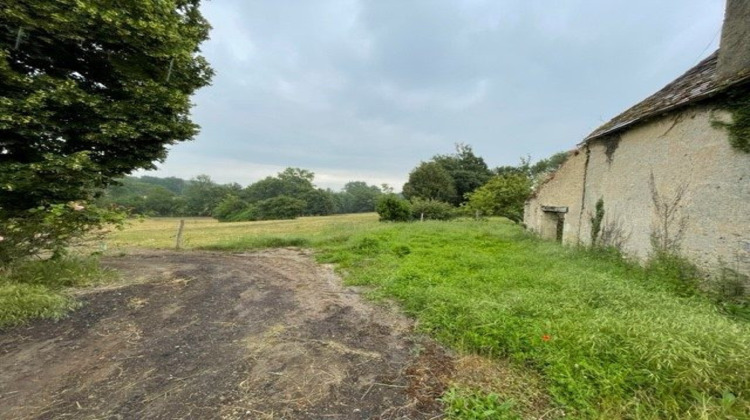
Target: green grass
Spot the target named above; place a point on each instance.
(608, 338)
(470, 405)
(37, 289)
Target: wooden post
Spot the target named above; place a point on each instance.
(178, 241)
(421, 217)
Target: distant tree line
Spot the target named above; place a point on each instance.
(462, 183)
(289, 194)
(444, 187)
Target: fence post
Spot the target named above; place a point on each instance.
(178, 241)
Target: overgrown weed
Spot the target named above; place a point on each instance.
(608, 336)
(36, 288)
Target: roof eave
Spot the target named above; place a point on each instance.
(697, 98)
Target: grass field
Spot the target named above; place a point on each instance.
(208, 233)
(602, 337)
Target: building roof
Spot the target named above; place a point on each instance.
(696, 84)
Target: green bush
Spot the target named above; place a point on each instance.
(393, 209)
(431, 210)
(229, 208)
(503, 195)
(249, 214)
(280, 207)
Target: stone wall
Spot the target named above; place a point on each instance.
(563, 189)
(681, 150)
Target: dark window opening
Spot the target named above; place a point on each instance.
(560, 226)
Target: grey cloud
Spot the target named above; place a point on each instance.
(372, 87)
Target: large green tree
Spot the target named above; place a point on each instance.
(358, 197)
(202, 195)
(291, 182)
(430, 181)
(89, 91)
(468, 171)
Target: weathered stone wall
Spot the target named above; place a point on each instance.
(734, 54)
(564, 188)
(680, 149)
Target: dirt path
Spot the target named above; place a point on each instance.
(209, 335)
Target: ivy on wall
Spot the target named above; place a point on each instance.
(738, 103)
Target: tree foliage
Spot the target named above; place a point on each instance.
(89, 91)
(280, 207)
(431, 210)
(358, 197)
(430, 181)
(391, 208)
(503, 195)
(468, 171)
(202, 195)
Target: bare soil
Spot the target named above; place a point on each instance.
(266, 335)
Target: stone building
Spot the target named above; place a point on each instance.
(672, 168)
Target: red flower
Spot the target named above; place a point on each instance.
(546, 337)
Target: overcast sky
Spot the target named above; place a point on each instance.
(366, 89)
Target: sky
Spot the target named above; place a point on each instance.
(367, 89)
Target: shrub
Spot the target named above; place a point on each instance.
(50, 229)
(431, 209)
(229, 208)
(503, 195)
(280, 207)
(393, 209)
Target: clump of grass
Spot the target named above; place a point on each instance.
(36, 288)
(465, 404)
(59, 273)
(22, 302)
(608, 336)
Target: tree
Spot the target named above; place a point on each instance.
(319, 202)
(431, 210)
(174, 184)
(548, 165)
(90, 92)
(229, 209)
(202, 195)
(281, 207)
(391, 208)
(468, 171)
(503, 195)
(430, 181)
(291, 182)
(358, 197)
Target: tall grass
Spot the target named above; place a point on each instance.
(612, 339)
(37, 288)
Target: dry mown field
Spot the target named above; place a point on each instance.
(200, 232)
